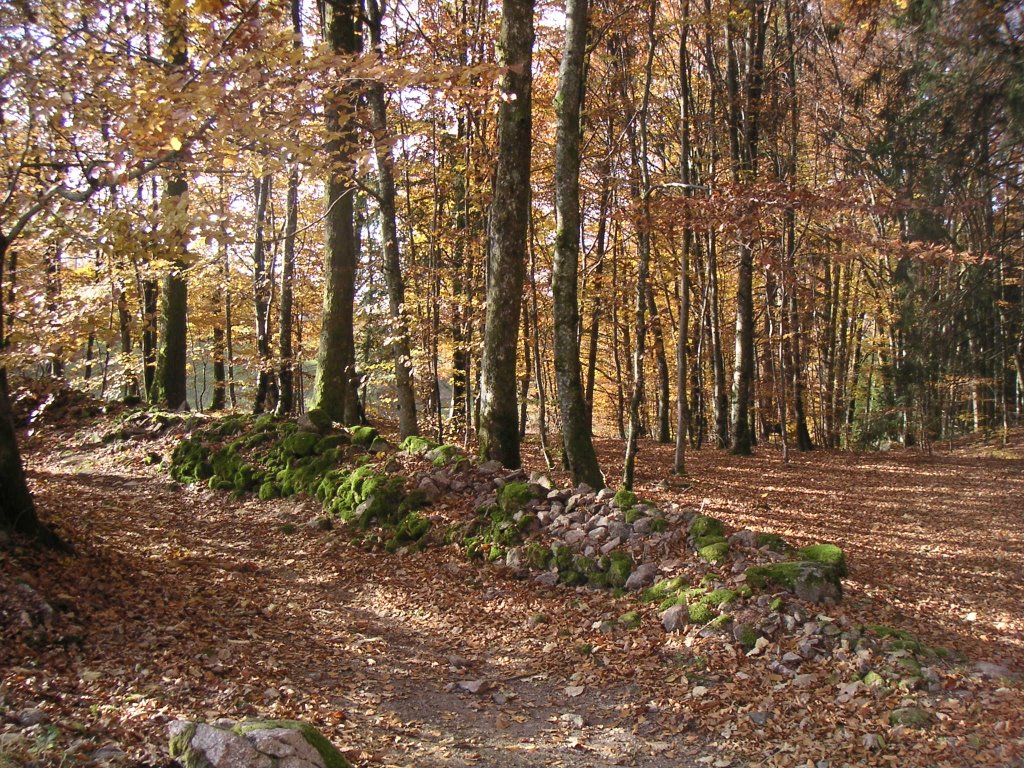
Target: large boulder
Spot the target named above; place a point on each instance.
(252, 744)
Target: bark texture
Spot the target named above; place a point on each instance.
(506, 235)
(577, 440)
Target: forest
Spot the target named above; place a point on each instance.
(614, 314)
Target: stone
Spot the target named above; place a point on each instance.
(546, 579)
(320, 523)
(542, 480)
(108, 754)
(642, 577)
(597, 534)
(429, 489)
(620, 530)
(675, 618)
(758, 718)
(605, 494)
(609, 545)
(32, 716)
(490, 467)
(253, 744)
(514, 558)
(584, 489)
(574, 536)
(911, 717)
(642, 526)
(992, 671)
(193, 744)
(743, 538)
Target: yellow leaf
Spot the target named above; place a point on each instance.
(175, 143)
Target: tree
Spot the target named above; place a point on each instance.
(506, 238)
(336, 387)
(576, 437)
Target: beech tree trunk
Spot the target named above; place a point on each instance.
(506, 233)
(399, 331)
(261, 289)
(335, 389)
(577, 440)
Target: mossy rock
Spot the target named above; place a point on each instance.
(190, 462)
(702, 525)
(806, 578)
(562, 556)
(514, 496)
(719, 597)
(624, 499)
(634, 514)
(417, 445)
(630, 620)
(715, 553)
(659, 525)
(269, 491)
(265, 423)
(707, 541)
(773, 541)
(300, 443)
(746, 635)
(247, 478)
(331, 757)
(332, 442)
(620, 566)
(911, 717)
(443, 455)
(362, 435)
(412, 527)
(571, 578)
(828, 555)
(663, 589)
(319, 419)
(537, 556)
(700, 613)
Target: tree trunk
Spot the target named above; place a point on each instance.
(577, 440)
(261, 287)
(507, 225)
(335, 389)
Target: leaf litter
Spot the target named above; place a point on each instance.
(184, 602)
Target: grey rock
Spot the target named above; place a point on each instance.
(743, 538)
(393, 467)
(546, 579)
(514, 557)
(597, 534)
(557, 508)
(792, 658)
(605, 494)
(320, 523)
(572, 502)
(642, 526)
(584, 489)
(758, 718)
(542, 480)
(285, 743)
(643, 576)
(609, 545)
(619, 530)
(574, 536)
(429, 489)
(490, 467)
(992, 671)
(220, 748)
(108, 754)
(675, 618)
(558, 495)
(32, 716)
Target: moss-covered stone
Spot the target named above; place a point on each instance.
(707, 541)
(412, 527)
(746, 635)
(190, 462)
(700, 613)
(630, 619)
(828, 555)
(620, 566)
(443, 455)
(806, 578)
(659, 525)
(269, 491)
(715, 553)
(319, 419)
(362, 435)
(663, 589)
(773, 541)
(300, 443)
(719, 597)
(417, 445)
(702, 525)
(911, 717)
(513, 496)
(537, 556)
(634, 514)
(331, 442)
(331, 757)
(624, 499)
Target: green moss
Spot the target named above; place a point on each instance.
(744, 590)
(883, 631)
(513, 496)
(443, 455)
(775, 604)
(774, 542)
(331, 757)
(624, 499)
(331, 442)
(412, 527)
(362, 435)
(416, 444)
(664, 588)
(722, 620)
(264, 423)
(634, 514)
(873, 678)
(537, 555)
(700, 613)
(828, 555)
(715, 553)
(746, 635)
(319, 419)
(180, 748)
(269, 491)
(288, 528)
(702, 525)
(571, 578)
(659, 525)
(190, 462)
(707, 541)
(301, 443)
(630, 619)
(719, 597)
(620, 565)
(911, 717)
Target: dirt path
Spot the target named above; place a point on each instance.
(182, 602)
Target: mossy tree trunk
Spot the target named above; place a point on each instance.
(335, 389)
(577, 440)
(507, 227)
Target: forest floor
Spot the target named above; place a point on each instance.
(185, 602)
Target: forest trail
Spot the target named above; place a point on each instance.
(183, 602)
